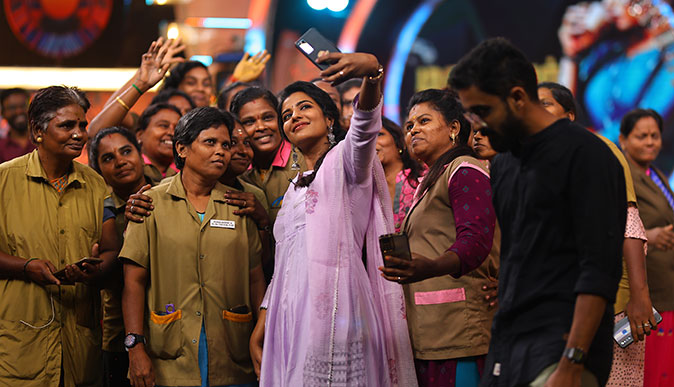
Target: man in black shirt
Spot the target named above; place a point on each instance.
(559, 195)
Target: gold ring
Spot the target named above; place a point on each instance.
(131, 209)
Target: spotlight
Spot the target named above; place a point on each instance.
(318, 5)
(337, 5)
(172, 32)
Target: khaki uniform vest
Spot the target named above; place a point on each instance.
(458, 323)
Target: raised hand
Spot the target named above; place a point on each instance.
(347, 66)
(156, 62)
(250, 68)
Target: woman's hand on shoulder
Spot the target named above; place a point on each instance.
(346, 66)
(249, 205)
(139, 206)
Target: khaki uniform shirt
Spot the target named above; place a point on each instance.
(154, 176)
(202, 270)
(275, 180)
(623, 295)
(113, 321)
(37, 222)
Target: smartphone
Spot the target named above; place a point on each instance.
(396, 245)
(312, 43)
(622, 333)
(61, 274)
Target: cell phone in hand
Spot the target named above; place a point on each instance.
(396, 245)
(622, 332)
(312, 43)
(61, 274)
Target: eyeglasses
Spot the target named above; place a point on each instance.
(475, 121)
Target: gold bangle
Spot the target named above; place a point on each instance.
(378, 77)
(124, 105)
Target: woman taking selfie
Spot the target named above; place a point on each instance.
(328, 318)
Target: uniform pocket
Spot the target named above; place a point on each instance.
(22, 355)
(238, 328)
(165, 336)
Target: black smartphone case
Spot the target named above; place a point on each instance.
(311, 43)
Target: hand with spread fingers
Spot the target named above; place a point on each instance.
(250, 68)
(250, 206)
(156, 62)
(405, 271)
(139, 206)
(347, 66)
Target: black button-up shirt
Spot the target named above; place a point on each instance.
(561, 204)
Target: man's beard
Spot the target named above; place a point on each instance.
(19, 123)
(510, 138)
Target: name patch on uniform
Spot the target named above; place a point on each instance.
(223, 223)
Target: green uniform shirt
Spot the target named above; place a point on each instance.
(37, 222)
(201, 271)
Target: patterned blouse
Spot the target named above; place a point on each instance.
(403, 199)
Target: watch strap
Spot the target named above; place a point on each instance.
(575, 355)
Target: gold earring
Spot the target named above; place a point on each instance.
(38, 139)
(453, 137)
(400, 151)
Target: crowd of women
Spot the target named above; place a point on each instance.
(238, 244)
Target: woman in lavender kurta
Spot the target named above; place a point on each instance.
(331, 320)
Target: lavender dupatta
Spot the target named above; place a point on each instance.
(359, 334)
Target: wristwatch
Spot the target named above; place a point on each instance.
(575, 355)
(132, 339)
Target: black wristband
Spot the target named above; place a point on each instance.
(266, 228)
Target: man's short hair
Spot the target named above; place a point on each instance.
(4, 94)
(495, 66)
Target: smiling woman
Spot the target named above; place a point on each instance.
(155, 134)
(274, 163)
(193, 78)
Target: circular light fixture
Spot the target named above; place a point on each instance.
(337, 5)
(318, 5)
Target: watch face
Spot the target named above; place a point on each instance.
(129, 341)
